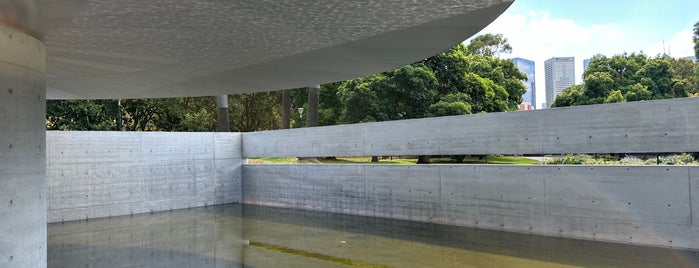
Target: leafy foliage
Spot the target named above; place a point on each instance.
(490, 45)
(633, 77)
(81, 115)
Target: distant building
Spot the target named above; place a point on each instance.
(527, 67)
(544, 106)
(586, 62)
(560, 74)
(692, 58)
(525, 106)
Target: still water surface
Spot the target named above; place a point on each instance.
(255, 236)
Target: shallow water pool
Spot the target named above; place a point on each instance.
(254, 236)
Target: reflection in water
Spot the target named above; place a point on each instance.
(254, 236)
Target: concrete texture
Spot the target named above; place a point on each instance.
(22, 152)
(639, 127)
(166, 48)
(103, 174)
(649, 205)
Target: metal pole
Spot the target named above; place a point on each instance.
(222, 113)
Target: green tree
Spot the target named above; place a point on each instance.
(680, 88)
(359, 99)
(403, 93)
(656, 75)
(486, 96)
(598, 86)
(139, 113)
(81, 114)
(570, 96)
(490, 45)
(330, 109)
(631, 77)
(615, 96)
(255, 111)
(451, 66)
(406, 93)
(684, 69)
(637, 92)
(451, 104)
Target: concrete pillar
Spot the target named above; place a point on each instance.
(222, 113)
(313, 102)
(22, 150)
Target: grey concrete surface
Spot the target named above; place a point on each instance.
(639, 127)
(165, 48)
(649, 205)
(22, 152)
(103, 174)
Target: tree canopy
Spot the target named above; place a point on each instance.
(491, 45)
(460, 80)
(631, 77)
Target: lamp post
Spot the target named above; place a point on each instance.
(300, 110)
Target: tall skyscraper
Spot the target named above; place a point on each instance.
(586, 62)
(527, 67)
(560, 74)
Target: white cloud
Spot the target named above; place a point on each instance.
(538, 36)
(679, 45)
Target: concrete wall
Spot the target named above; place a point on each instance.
(654, 205)
(99, 174)
(650, 126)
(102, 174)
(22, 152)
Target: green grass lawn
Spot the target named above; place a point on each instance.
(493, 159)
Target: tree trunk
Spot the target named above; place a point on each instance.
(286, 109)
(312, 113)
(374, 159)
(313, 101)
(423, 159)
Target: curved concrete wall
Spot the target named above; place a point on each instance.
(103, 174)
(22, 152)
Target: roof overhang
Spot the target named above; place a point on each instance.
(170, 48)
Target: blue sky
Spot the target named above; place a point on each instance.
(541, 29)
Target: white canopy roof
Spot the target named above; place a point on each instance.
(170, 48)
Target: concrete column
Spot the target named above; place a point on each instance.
(22, 150)
(222, 113)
